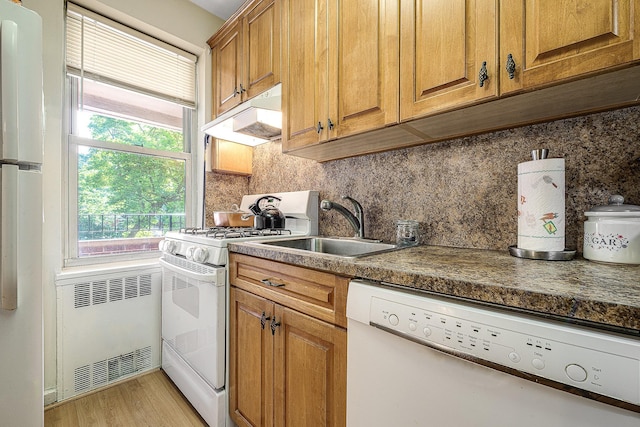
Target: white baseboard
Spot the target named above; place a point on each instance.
(50, 396)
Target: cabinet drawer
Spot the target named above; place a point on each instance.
(316, 293)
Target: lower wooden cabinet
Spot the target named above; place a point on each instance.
(251, 360)
(287, 368)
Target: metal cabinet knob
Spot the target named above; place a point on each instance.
(274, 325)
(511, 66)
(271, 283)
(263, 319)
(483, 75)
(319, 128)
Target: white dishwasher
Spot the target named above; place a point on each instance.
(420, 360)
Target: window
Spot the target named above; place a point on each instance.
(131, 106)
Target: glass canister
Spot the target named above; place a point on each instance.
(406, 232)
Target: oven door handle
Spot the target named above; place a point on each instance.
(216, 276)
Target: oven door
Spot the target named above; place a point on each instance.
(193, 315)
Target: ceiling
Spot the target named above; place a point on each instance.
(220, 8)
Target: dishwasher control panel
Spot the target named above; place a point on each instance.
(592, 360)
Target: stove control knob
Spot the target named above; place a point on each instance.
(200, 255)
(169, 246)
(189, 253)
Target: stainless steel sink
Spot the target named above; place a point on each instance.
(348, 248)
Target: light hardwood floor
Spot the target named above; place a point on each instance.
(148, 400)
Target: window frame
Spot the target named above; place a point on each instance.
(70, 165)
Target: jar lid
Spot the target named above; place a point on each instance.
(616, 204)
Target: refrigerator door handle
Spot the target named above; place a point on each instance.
(9, 237)
(9, 90)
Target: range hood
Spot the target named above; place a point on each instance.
(253, 122)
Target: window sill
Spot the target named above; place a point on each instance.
(87, 267)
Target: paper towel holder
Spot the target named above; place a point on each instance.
(540, 153)
(566, 255)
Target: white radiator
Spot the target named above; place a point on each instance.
(108, 327)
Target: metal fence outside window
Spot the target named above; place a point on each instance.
(118, 226)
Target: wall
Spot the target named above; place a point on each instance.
(463, 191)
(221, 191)
(189, 29)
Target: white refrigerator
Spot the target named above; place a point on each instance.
(21, 152)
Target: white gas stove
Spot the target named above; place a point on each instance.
(195, 306)
(209, 245)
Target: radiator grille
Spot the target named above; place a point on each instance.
(96, 292)
(103, 372)
(82, 295)
(108, 328)
(99, 292)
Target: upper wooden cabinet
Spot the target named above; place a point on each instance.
(560, 57)
(261, 43)
(227, 69)
(554, 40)
(230, 157)
(449, 54)
(340, 67)
(246, 55)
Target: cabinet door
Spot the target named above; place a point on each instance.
(262, 47)
(341, 69)
(316, 293)
(554, 40)
(305, 96)
(251, 360)
(230, 157)
(363, 65)
(227, 68)
(444, 45)
(310, 371)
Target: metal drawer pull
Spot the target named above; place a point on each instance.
(483, 75)
(330, 124)
(511, 66)
(274, 325)
(242, 89)
(268, 282)
(263, 319)
(319, 128)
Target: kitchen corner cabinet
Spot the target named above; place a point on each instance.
(340, 69)
(288, 345)
(449, 54)
(552, 41)
(246, 55)
(231, 157)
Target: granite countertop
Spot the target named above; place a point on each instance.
(580, 290)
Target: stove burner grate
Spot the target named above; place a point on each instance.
(234, 232)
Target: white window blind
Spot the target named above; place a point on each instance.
(107, 51)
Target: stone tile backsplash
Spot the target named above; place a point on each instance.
(462, 191)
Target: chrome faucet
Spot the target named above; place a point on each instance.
(356, 221)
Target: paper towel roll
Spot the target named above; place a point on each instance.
(541, 216)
